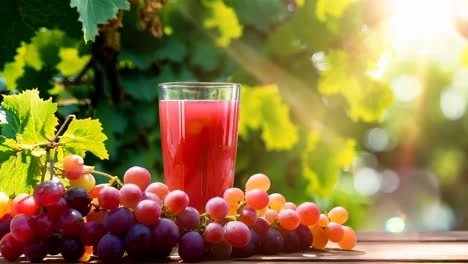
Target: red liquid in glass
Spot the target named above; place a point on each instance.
(199, 141)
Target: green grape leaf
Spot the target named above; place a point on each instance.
(84, 135)
(224, 20)
(171, 49)
(8, 147)
(13, 70)
(335, 8)
(262, 14)
(71, 63)
(205, 55)
(19, 173)
(263, 109)
(93, 13)
(140, 87)
(29, 118)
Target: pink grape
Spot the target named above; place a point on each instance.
(47, 193)
(237, 233)
(152, 197)
(57, 208)
(233, 198)
(109, 198)
(176, 201)
(261, 226)
(147, 212)
(334, 232)
(271, 215)
(217, 208)
(323, 221)
(23, 228)
(257, 181)
(309, 213)
(189, 219)
(158, 188)
(214, 233)
(73, 166)
(248, 216)
(10, 248)
(290, 205)
(289, 219)
(276, 201)
(24, 204)
(338, 215)
(257, 199)
(130, 195)
(138, 176)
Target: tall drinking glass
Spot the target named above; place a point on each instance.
(199, 137)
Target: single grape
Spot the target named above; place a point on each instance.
(309, 213)
(138, 176)
(130, 195)
(5, 204)
(5, 221)
(289, 219)
(305, 236)
(138, 241)
(272, 242)
(191, 247)
(152, 197)
(290, 241)
(252, 247)
(217, 208)
(290, 205)
(334, 232)
(189, 219)
(85, 181)
(10, 248)
(237, 233)
(47, 193)
(92, 232)
(57, 208)
(248, 216)
(233, 198)
(164, 234)
(349, 239)
(257, 199)
(147, 212)
(45, 225)
(70, 222)
(109, 198)
(71, 249)
(110, 249)
(158, 188)
(78, 198)
(73, 166)
(94, 193)
(35, 251)
(176, 202)
(261, 226)
(214, 233)
(320, 238)
(323, 221)
(23, 228)
(119, 220)
(271, 216)
(338, 215)
(24, 204)
(257, 181)
(276, 201)
(53, 245)
(222, 250)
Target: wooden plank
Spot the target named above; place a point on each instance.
(450, 236)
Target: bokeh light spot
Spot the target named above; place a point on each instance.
(395, 224)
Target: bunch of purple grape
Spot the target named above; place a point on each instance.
(146, 221)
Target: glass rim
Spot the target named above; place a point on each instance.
(206, 85)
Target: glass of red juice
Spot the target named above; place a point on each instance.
(199, 137)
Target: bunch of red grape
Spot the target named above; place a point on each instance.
(146, 221)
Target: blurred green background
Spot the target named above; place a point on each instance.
(358, 103)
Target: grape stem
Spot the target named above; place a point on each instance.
(111, 178)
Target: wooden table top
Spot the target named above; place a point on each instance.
(443, 247)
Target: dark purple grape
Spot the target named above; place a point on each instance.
(5, 224)
(191, 247)
(92, 232)
(305, 237)
(70, 222)
(138, 241)
(290, 241)
(53, 243)
(45, 225)
(189, 219)
(57, 208)
(272, 242)
(119, 220)
(71, 249)
(10, 248)
(78, 198)
(48, 193)
(261, 226)
(252, 247)
(35, 251)
(110, 249)
(164, 234)
(220, 250)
